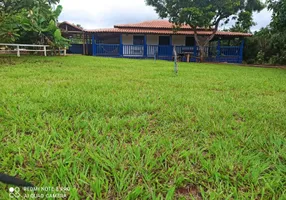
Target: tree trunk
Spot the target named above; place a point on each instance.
(203, 41)
(175, 60)
(202, 53)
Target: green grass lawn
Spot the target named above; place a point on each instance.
(130, 129)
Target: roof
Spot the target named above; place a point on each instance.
(165, 32)
(162, 27)
(157, 24)
(72, 25)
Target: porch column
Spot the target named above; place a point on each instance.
(195, 50)
(86, 44)
(145, 46)
(120, 46)
(93, 45)
(83, 43)
(171, 47)
(218, 49)
(241, 51)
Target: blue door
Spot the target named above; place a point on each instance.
(164, 46)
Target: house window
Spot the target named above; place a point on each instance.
(190, 41)
(164, 40)
(138, 40)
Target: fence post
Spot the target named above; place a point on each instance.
(18, 51)
(65, 51)
(45, 51)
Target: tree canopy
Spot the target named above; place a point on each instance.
(33, 21)
(206, 14)
(279, 14)
(268, 45)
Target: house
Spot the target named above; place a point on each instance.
(155, 38)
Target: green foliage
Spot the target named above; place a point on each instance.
(244, 22)
(260, 57)
(11, 14)
(9, 31)
(35, 22)
(279, 14)
(269, 44)
(59, 40)
(204, 13)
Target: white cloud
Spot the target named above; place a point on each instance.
(262, 19)
(101, 14)
(93, 14)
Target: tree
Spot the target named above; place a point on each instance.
(278, 31)
(11, 12)
(206, 14)
(42, 19)
(8, 7)
(34, 20)
(244, 22)
(278, 21)
(79, 26)
(268, 45)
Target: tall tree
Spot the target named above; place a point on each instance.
(244, 22)
(278, 21)
(278, 31)
(207, 14)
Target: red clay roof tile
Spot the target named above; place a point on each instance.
(164, 32)
(161, 27)
(165, 24)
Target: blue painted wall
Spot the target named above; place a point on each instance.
(75, 49)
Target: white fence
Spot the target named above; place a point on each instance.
(25, 48)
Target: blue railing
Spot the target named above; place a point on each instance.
(184, 49)
(159, 50)
(133, 50)
(213, 53)
(152, 50)
(229, 51)
(108, 49)
(230, 54)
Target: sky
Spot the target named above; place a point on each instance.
(92, 14)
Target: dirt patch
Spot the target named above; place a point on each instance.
(238, 118)
(189, 190)
(7, 61)
(250, 65)
(264, 66)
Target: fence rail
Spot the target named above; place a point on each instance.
(43, 48)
